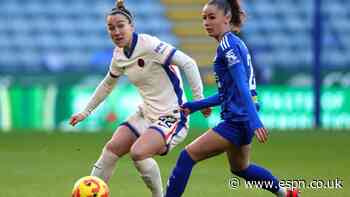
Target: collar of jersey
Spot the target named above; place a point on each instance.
(133, 45)
(227, 33)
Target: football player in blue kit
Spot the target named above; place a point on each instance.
(237, 98)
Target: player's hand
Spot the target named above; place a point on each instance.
(76, 118)
(206, 112)
(262, 134)
(185, 110)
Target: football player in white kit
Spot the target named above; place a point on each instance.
(159, 124)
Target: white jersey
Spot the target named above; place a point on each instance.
(149, 67)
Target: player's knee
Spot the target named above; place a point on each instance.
(115, 148)
(237, 169)
(195, 154)
(137, 154)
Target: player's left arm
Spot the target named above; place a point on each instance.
(166, 55)
(190, 68)
(237, 71)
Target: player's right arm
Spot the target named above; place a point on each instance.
(101, 92)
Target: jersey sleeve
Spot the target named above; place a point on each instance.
(162, 51)
(235, 65)
(101, 92)
(210, 101)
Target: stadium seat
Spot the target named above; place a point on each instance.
(273, 30)
(74, 29)
(291, 23)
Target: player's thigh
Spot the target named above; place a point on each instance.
(121, 141)
(239, 157)
(161, 136)
(173, 129)
(150, 143)
(174, 139)
(207, 145)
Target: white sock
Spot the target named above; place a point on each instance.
(282, 192)
(149, 171)
(104, 166)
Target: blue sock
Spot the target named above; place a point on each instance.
(262, 175)
(179, 177)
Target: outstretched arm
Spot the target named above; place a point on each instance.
(101, 92)
(210, 101)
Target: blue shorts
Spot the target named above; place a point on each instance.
(238, 133)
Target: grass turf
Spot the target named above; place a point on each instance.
(47, 164)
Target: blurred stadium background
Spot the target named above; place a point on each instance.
(53, 53)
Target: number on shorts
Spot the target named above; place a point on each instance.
(167, 121)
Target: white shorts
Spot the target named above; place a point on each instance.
(173, 127)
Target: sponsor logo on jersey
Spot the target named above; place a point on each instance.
(231, 57)
(160, 48)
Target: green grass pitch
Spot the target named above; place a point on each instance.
(40, 164)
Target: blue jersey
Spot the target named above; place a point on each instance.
(236, 83)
